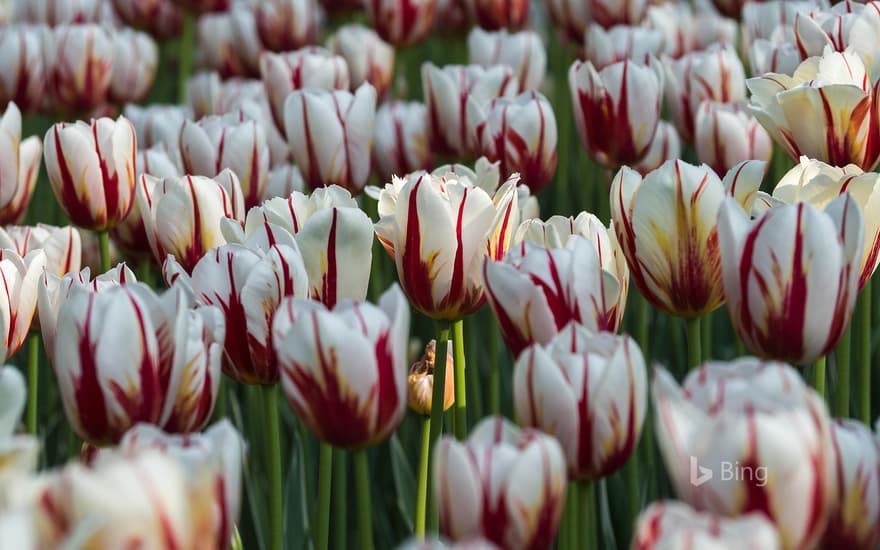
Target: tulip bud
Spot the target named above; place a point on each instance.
(203, 94)
(23, 78)
(400, 139)
(91, 169)
(369, 58)
(79, 66)
(748, 436)
(283, 181)
(287, 25)
(61, 245)
(587, 390)
(330, 135)
(244, 35)
(494, 14)
(686, 29)
(157, 124)
(523, 51)
(55, 13)
(18, 298)
(402, 22)
(218, 47)
(134, 66)
(160, 18)
(726, 136)
(769, 57)
(19, 166)
(344, 369)
(666, 145)
(620, 43)
(420, 382)
(571, 17)
(501, 483)
(770, 21)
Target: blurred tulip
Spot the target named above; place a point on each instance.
(673, 525)
(587, 390)
(203, 6)
(771, 57)
(283, 181)
(420, 381)
(160, 18)
(91, 169)
(436, 544)
(438, 229)
(400, 139)
(826, 111)
(230, 142)
(620, 43)
(666, 145)
(245, 37)
(501, 483)
(724, 136)
(369, 58)
(331, 134)
(499, 14)
(344, 369)
(60, 12)
(450, 17)
(686, 29)
(136, 58)
(23, 77)
(79, 66)
(571, 17)
(402, 22)
(61, 245)
(455, 96)
(771, 20)
(616, 109)
(18, 299)
(219, 48)
(287, 25)
(761, 419)
(783, 304)
(311, 67)
(19, 454)
(157, 124)
(203, 91)
(520, 133)
(667, 226)
(182, 215)
(522, 51)
(845, 25)
(19, 166)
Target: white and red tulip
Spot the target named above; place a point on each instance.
(287, 25)
(402, 22)
(18, 300)
(135, 61)
(19, 167)
(23, 78)
(400, 139)
(493, 15)
(79, 66)
(523, 51)
(369, 58)
(61, 245)
(724, 136)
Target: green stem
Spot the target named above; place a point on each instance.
(587, 508)
(422, 493)
(219, 412)
(643, 322)
(706, 336)
(494, 371)
(437, 396)
(325, 484)
(571, 515)
(631, 471)
(362, 479)
(695, 354)
(270, 412)
(33, 370)
(187, 45)
(145, 272)
(461, 428)
(819, 376)
(864, 350)
(340, 499)
(104, 243)
(841, 403)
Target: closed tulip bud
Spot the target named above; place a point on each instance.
(523, 51)
(19, 454)
(135, 62)
(725, 136)
(499, 14)
(402, 22)
(330, 135)
(760, 420)
(19, 166)
(283, 181)
(501, 483)
(400, 139)
(157, 124)
(420, 382)
(91, 169)
(245, 38)
(438, 229)
(369, 58)
(203, 6)
(61, 245)
(182, 215)
(587, 390)
(218, 47)
(79, 66)
(673, 525)
(520, 133)
(825, 111)
(766, 56)
(19, 297)
(686, 29)
(455, 96)
(619, 43)
(23, 78)
(160, 18)
(310, 67)
(287, 25)
(666, 145)
(203, 92)
(782, 303)
(616, 109)
(571, 17)
(344, 369)
(667, 225)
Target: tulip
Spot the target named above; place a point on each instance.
(587, 390)
(19, 297)
(826, 111)
(157, 124)
(499, 14)
(135, 62)
(60, 12)
(19, 454)
(283, 181)
(674, 525)
(91, 169)
(772, 57)
(571, 17)
(666, 145)
(182, 215)
(161, 18)
(202, 93)
(725, 136)
(230, 142)
(502, 483)
(782, 304)
(61, 245)
(451, 17)
(855, 521)
(79, 66)
(437, 544)
(771, 20)
(330, 135)
(219, 47)
(846, 25)
(287, 25)
(420, 381)
(761, 419)
(620, 43)
(402, 22)
(203, 6)
(523, 51)
(685, 29)
(19, 166)
(369, 58)
(616, 109)
(400, 139)
(246, 41)
(23, 77)
(520, 133)
(455, 96)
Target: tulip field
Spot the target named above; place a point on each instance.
(638, 236)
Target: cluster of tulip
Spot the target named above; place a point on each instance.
(266, 201)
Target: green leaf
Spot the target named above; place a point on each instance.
(404, 481)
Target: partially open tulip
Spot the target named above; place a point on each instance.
(826, 111)
(420, 381)
(369, 58)
(19, 167)
(617, 109)
(160, 18)
(157, 124)
(587, 390)
(402, 22)
(18, 299)
(23, 77)
(287, 25)
(749, 436)
(501, 483)
(79, 66)
(619, 43)
(769, 56)
(667, 225)
(438, 229)
(783, 302)
(400, 139)
(686, 28)
(134, 66)
(499, 14)
(91, 169)
(61, 245)
(845, 25)
(331, 134)
(724, 136)
(182, 215)
(571, 17)
(523, 51)
(666, 145)
(344, 369)
(672, 525)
